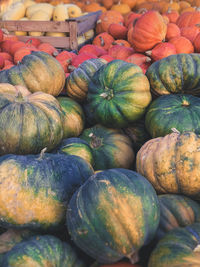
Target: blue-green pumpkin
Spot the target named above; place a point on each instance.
(113, 214)
(42, 251)
(35, 189)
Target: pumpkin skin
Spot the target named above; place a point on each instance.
(176, 211)
(179, 247)
(115, 226)
(118, 94)
(78, 147)
(149, 30)
(173, 111)
(138, 134)
(74, 118)
(175, 74)
(171, 163)
(28, 122)
(110, 147)
(38, 71)
(35, 189)
(46, 250)
(78, 80)
(121, 264)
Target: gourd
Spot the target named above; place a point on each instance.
(36, 189)
(113, 214)
(38, 71)
(118, 94)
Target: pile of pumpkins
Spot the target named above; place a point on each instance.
(99, 157)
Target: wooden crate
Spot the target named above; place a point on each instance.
(72, 28)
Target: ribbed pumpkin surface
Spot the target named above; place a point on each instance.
(41, 251)
(118, 94)
(38, 71)
(29, 122)
(113, 214)
(179, 247)
(176, 211)
(35, 189)
(175, 74)
(172, 163)
(173, 111)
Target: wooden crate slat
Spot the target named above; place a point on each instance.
(89, 16)
(59, 42)
(43, 26)
(73, 35)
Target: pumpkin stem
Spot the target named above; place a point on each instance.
(71, 68)
(95, 141)
(174, 130)
(102, 41)
(185, 103)
(134, 257)
(148, 53)
(42, 153)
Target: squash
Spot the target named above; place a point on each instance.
(113, 214)
(171, 163)
(118, 94)
(46, 250)
(78, 147)
(39, 15)
(176, 211)
(14, 12)
(179, 111)
(77, 82)
(38, 71)
(180, 247)
(149, 30)
(28, 122)
(46, 7)
(110, 147)
(60, 13)
(74, 118)
(35, 189)
(11, 237)
(175, 74)
(21, 33)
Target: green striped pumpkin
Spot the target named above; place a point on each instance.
(38, 71)
(175, 74)
(35, 189)
(178, 248)
(73, 119)
(113, 214)
(40, 251)
(28, 122)
(176, 211)
(111, 148)
(118, 94)
(181, 112)
(77, 82)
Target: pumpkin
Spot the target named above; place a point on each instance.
(149, 30)
(122, 8)
(138, 134)
(187, 19)
(78, 147)
(121, 264)
(175, 74)
(171, 163)
(196, 43)
(2, 62)
(182, 44)
(176, 211)
(180, 247)
(38, 71)
(113, 214)
(11, 237)
(46, 250)
(118, 31)
(78, 80)
(118, 94)
(103, 40)
(48, 48)
(161, 50)
(120, 52)
(28, 122)
(172, 31)
(110, 147)
(74, 119)
(190, 33)
(172, 15)
(35, 189)
(21, 53)
(173, 111)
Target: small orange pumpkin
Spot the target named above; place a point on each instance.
(182, 45)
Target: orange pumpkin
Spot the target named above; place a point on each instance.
(122, 8)
(117, 31)
(187, 19)
(182, 45)
(172, 15)
(149, 30)
(172, 31)
(106, 18)
(190, 32)
(103, 40)
(197, 43)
